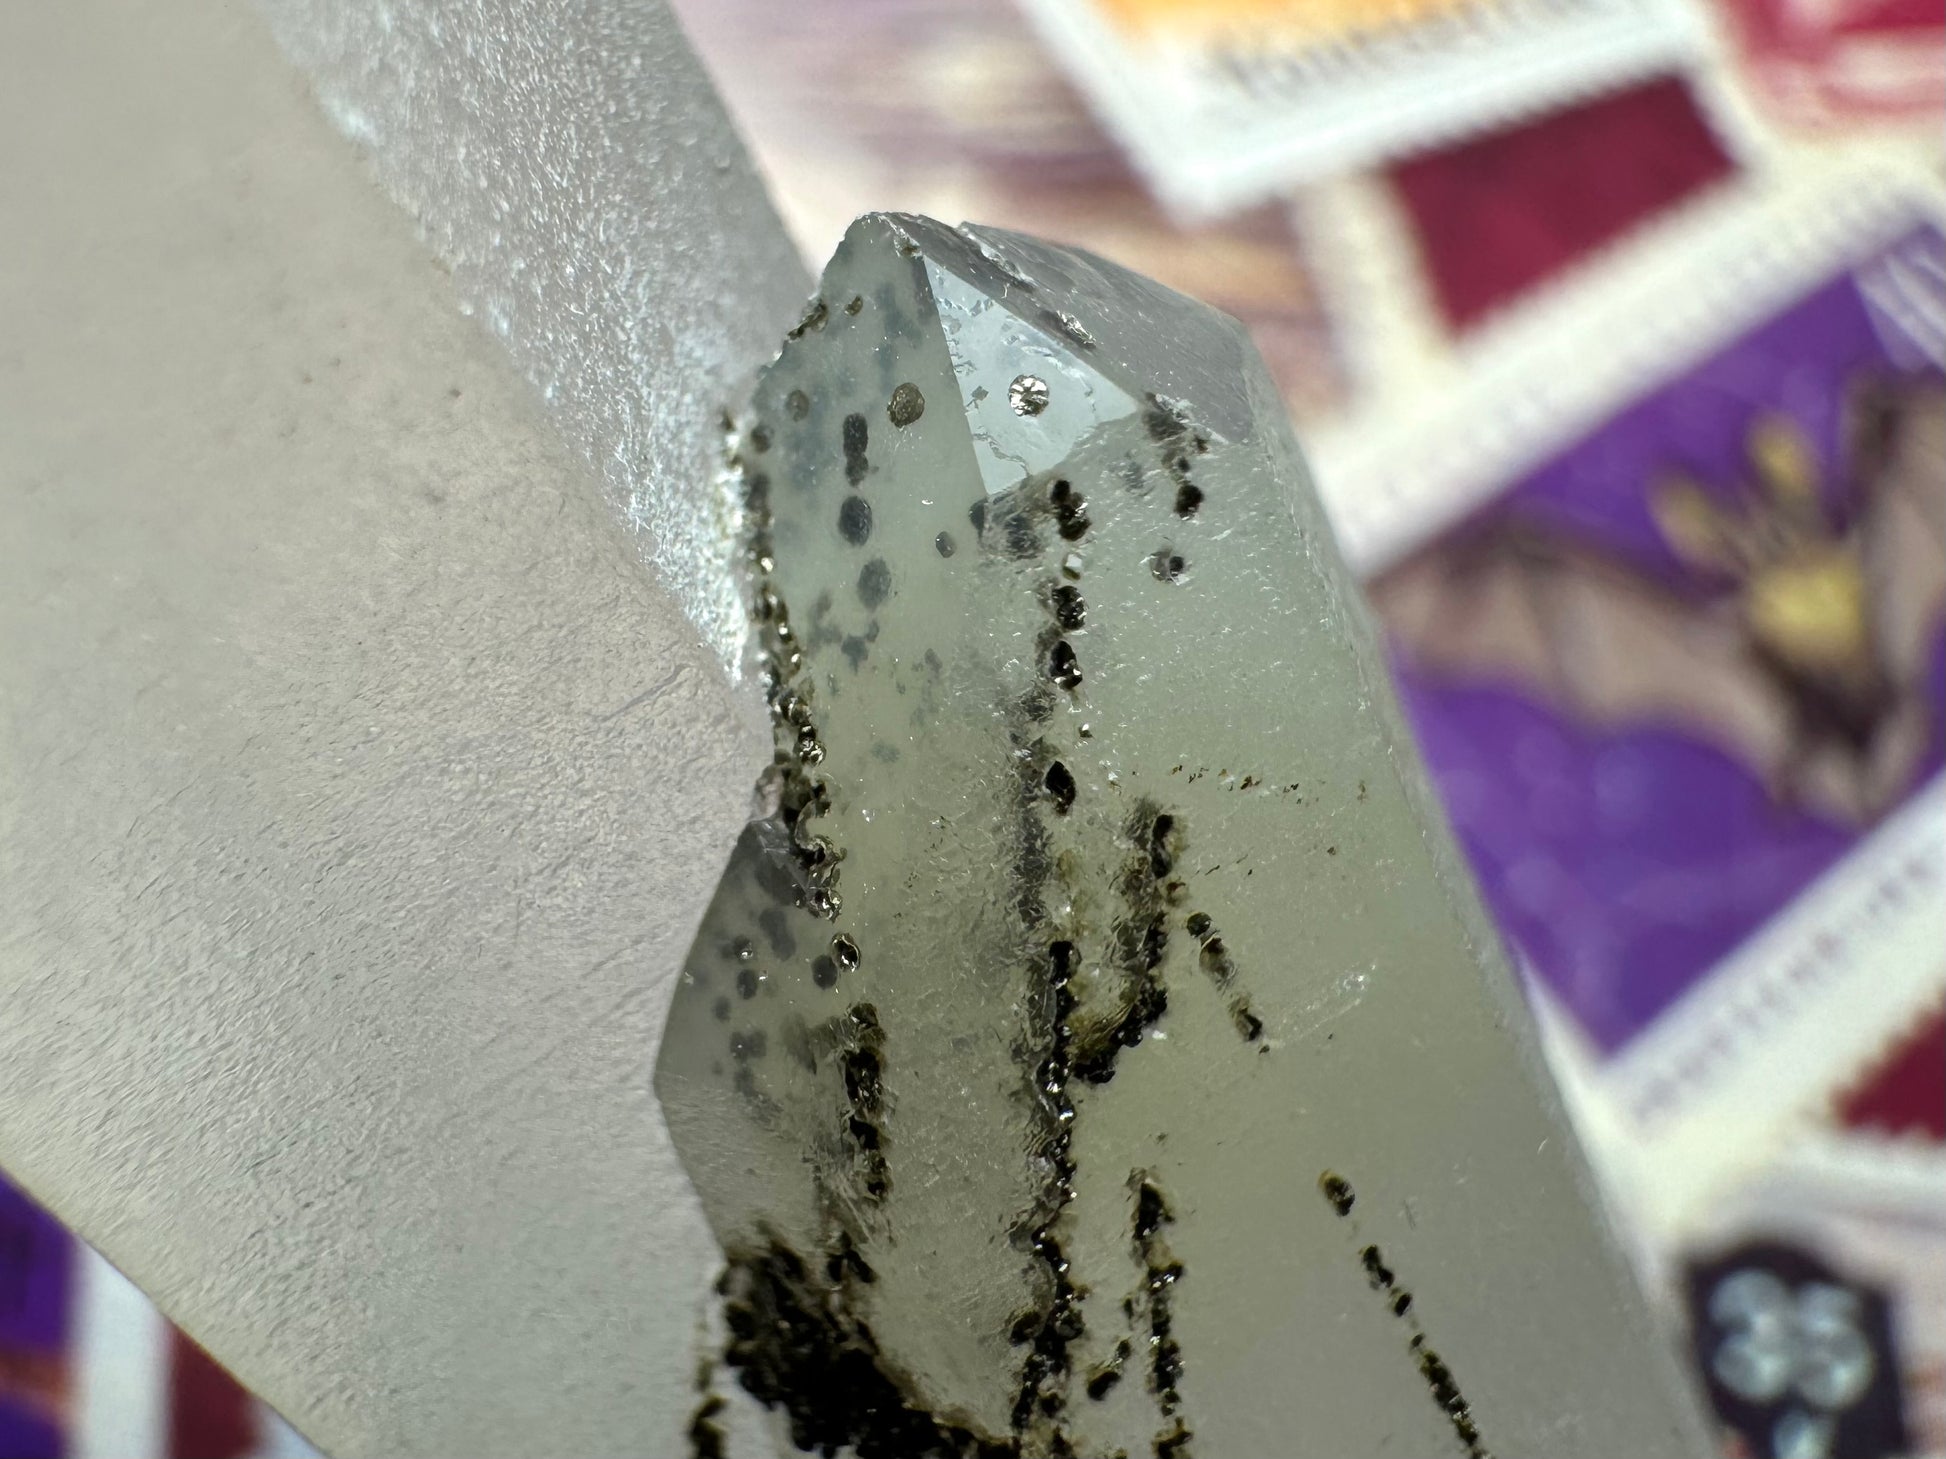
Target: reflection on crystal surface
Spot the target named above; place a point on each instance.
(1094, 920)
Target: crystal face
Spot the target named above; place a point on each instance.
(1095, 1049)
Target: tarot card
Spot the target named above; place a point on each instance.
(35, 1284)
(1488, 223)
(1678, 666)
(1814, 1299)
(1855, 64)
(1902, 1092)
(90, 1370)
(1223, 103)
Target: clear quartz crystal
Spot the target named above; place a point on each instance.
(1098, 1048)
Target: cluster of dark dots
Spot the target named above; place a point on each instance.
(1063, 599)
(844, 957)
(1051, 1330)
(1139, 938)
(799, 746)
(803, 798)
(815, 314)
(1179, 443)
(1093, 1058)
(798, 1345)
(749, 980)
(874, 583)
(1161, 1271)
(864, 1069)
(1337, 1190)
(1382, 1280)
(1213, 956)
(1070, 511)
(1438, 1377)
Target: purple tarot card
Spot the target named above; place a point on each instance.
(1671, 677)
(36, 1278)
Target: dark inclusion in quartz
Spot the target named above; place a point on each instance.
(1042, 926)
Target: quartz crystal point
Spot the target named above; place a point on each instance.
(1095, 1047)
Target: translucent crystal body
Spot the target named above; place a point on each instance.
(1098, 1050)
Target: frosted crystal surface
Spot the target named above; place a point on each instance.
(1095, 1048)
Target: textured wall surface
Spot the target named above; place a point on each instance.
(572, 164)
(360, 788)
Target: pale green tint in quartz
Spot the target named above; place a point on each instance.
(1221, 811)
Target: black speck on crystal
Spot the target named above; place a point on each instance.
(1060, 786)
(856, 436)
(906, 405)
(855, 520)
(1062, 665)
(874, 582)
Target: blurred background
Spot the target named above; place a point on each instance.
(1614, 332)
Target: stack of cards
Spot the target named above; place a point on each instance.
(1225, 103)
(90, 1370)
